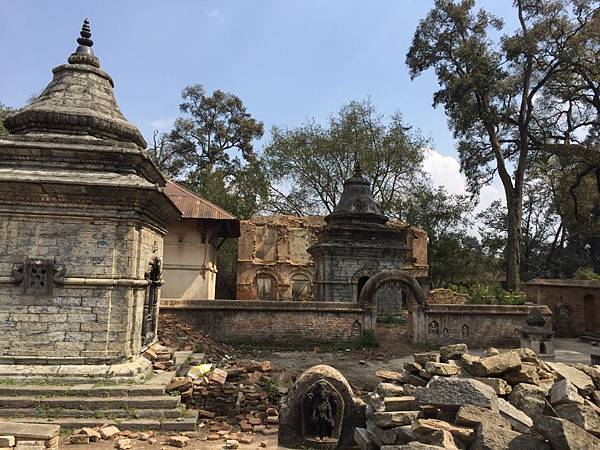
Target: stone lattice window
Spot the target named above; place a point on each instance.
(38, 275)
(265, 287)
(301, 288)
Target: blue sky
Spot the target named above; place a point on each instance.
(287, 60)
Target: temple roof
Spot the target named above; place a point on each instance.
(357, 202)
(79, 101)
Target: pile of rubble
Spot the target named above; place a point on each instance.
(513, 400)
(125, 440)
(178, 335)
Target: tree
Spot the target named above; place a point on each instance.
(4, 111)
(489, 88)
(308, 164)
(210, 149)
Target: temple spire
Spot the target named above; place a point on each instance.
(358, 173)
(85, 43)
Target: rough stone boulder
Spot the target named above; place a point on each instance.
(490, 437)
(580, 379)
(564, 391)
(442, 369)
(472, 416)
(491, 366)
(583, 416)
(528, 398)
(451, 393)
(425, 427)
(564, 435)
(453, 351)
(527, 373)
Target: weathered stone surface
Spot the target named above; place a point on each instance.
(424, 427)
(412, 367)
(178, 441)
(517, 418)
(563, 434)
(591, 371)
(564, 391)
(442, 369)
(451, 393)
(404, 403)
(392, 376)
(363, 439)
(581, 380)
(124, 444)
(499, 386)
(389, 390)
(7, 441)
(490, 437)
(472, 416)
(494, 365)
(527, 373)
(453, 351)
(394, 418)
(425, 357)
(109, 432)
(440, 438)
(528, 398)
(583, 416)
(29, 430)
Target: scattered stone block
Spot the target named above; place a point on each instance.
(563, 434)
(93, 434)
(580, 379)
(124, 444)
(454, 351)
(528, 398)
(394, 418)
(79, 439)
(178, 441)
(441, 369)
(499, 386)
(389, 390)
(246, 439)
(424, 427)
(389, 375)
(563, 391)
(108, 432)
(416, 380)
(451, 393)
(412, 367)
(526, 373)
(517, 418)
(232, 443)
(492, 366)
(472, 416)
(583, 416)
(404, 403)
(490, 437)
(425, 357)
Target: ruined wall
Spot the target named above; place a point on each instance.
(575, 304)
(276, 246)
(443, 296)
(478, 326)
(87, 320)
(294, 324)
(190, 262)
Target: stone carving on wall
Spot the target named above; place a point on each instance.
(465, 331)
(433, 327)
(38, 277)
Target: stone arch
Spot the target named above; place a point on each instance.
(416, 295)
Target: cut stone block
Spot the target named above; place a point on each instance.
(581, 380)
(394, 419)
(491, 366)
(472, 416)
(564, 435)
(490, 437)
(451, 393)
(564, 391)
(583, 416)
(517, 418)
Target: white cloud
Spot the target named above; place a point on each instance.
(216, 15)
(162, 124)
(444, 171)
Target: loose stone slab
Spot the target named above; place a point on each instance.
(423, 427)
(499, 386)
(404, 403)
(394, 418)
(451, 393)
(35, 431)
(564, 435)
(494, 365)
(425, 357)
(564, 391)
(528, 398)
(472, 416)
(7, 441)
(583, 416)
(517, 418)
(389, 390)
(453, 351)
(489, 437)
(581, 380)
(442, 369)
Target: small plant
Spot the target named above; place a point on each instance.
(367, 339)
(586, 273)
(270, 387)
(199, 348)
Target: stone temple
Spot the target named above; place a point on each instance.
(82, 218)
(354, 244)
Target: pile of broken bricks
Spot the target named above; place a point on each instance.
(450, 399)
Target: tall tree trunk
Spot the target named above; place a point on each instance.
(513, 245)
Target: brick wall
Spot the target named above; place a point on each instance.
(297, 324)
(478, 326)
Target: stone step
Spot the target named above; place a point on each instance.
(91, 403)
(81, 390)
(187, 423)
(158, 414)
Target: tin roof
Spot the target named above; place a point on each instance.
(192, 206)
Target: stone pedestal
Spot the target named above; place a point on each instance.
(536, 336)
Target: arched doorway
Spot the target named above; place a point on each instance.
(591, 312)
(360, 285)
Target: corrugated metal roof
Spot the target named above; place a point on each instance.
(192, 206)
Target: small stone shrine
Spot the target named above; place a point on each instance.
(536, 336)
(321, 411)
(82, 219)
(355, 244)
